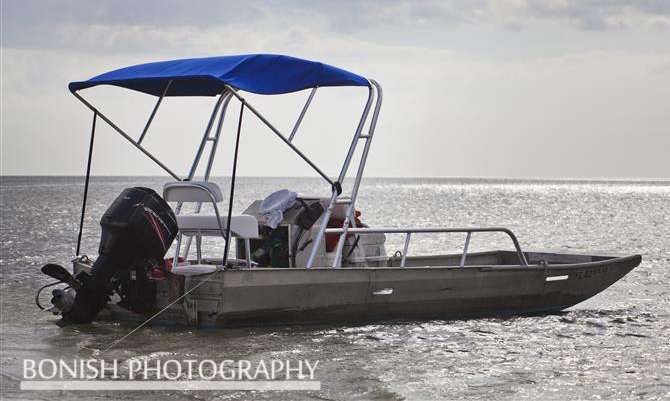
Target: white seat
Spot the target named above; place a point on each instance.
(192, 191)
(193, 270)
(242, 226)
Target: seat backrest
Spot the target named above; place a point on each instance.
(192, 191)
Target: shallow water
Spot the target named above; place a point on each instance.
(613, 346)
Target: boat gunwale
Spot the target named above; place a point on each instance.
(497, 267)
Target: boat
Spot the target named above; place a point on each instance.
(289, 258)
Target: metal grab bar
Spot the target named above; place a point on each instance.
(410, 231)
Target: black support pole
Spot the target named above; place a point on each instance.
(232, 186)
(88, 176)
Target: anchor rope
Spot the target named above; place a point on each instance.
(115, 343)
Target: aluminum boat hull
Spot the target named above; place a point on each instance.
(274, 296)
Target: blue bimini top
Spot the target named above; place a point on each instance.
(266, 74)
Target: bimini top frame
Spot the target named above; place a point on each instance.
(225, 77)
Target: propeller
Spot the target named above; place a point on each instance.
(61, 274)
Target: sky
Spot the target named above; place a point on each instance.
(506, 88)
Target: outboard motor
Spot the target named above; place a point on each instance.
(138, 226)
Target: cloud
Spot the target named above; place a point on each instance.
(602, 14)
(74, 24)
(130, 25)
(500, 77)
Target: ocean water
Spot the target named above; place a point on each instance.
(613, 346)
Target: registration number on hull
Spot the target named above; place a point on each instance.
(590, 273)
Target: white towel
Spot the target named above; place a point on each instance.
(273, 206)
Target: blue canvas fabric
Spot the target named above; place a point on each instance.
(266, 74)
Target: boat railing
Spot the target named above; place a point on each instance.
(409, 231)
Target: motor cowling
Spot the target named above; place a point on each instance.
(138, 226)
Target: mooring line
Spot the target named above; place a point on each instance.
(218, 270)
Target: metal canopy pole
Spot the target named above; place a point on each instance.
(198, 156)
(153, 113)
(217, 136)
(205, 136)
(123, 134)
(210, 163)
(343, 173)
(357, 135)
(359, 174)
(88, 176)
(282, 137)
(302, 113)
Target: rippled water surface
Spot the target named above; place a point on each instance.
(613, 346)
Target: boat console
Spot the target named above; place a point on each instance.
(291, 242)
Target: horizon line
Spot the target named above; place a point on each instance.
(526, 178)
